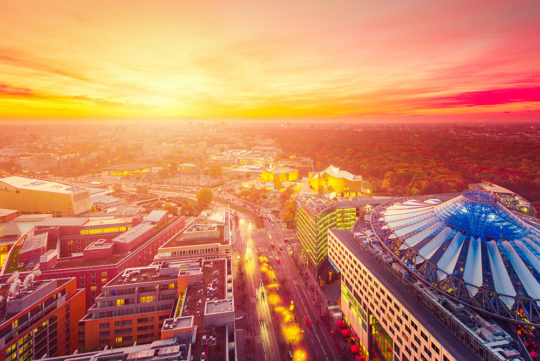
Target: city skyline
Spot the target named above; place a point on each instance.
(347, 60)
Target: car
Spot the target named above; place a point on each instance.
(262, 322)
(203, 356)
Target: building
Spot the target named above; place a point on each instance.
(209, 236)
(94, 250)
(177, 300)
(277, 177)
(314, 216)
(334, 181)
(129, 169)
(29, 195)
(169, 350)
(440, 279)
(509, 199)
(39, 317)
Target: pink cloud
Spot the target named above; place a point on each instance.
(13, 90)
(488, 97)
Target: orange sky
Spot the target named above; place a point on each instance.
(237, 59)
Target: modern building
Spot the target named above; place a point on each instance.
(509, 199)
(441, 279)
(129, 169)
(314, 216)
(29, 195)
(337, 182)
(275, 178)
(189, 299)
(169, 350)
(39, 317)
(209, 236)
(94, 250)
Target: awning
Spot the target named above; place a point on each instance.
(345, 333)
(341, 324)
(359, 358)
(355, 349)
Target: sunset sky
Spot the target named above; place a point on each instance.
(258, 59)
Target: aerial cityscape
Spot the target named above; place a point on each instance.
(269, 181)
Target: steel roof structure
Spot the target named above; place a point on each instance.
(470, 247)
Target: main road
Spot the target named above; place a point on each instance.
(307, 297)
(258, 313)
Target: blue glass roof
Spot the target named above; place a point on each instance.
(472, 240)
(479, 215)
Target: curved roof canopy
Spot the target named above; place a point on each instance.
(471, 247)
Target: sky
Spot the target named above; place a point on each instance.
(219, 59)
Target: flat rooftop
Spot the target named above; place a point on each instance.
(40, 185)
(129, 167)
(133, 233)
(213, 288)
(441, 334)
(63, 222)
(106, 221)
(34, 242)
(141, 275)
(6, 212)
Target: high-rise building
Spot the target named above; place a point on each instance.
(39, 317)
(441, 279)
(314, 216)
(29, 195)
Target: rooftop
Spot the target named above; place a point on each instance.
(40, 185)
(63, 222)
(338, 173)
(6, 212)
(133, 233)
(129, 167)
(440, 333)
(99, 244)
(142, 275)
(105, 221)
(34, 242)
(472, 241)
(156, 216)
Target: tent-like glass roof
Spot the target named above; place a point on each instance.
(470, 247)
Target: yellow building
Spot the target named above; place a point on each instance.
(40, 196)
(129, 169)
(278, 176)
(335, 180)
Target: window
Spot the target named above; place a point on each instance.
(120, 302)
(104, 325)
(118, 339)
(145, 299)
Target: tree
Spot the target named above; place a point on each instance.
(204, 197)
(215, 171)
(117, 188)
(170, 208)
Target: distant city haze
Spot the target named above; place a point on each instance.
(361, 60)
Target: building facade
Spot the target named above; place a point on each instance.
(314, 216)
(40, 318)
(39, 196)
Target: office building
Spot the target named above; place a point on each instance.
(437, 278)
(39, 317)
(314, 216)
(173, 300)
(29, 195)
(209, 236)
(92, 250)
